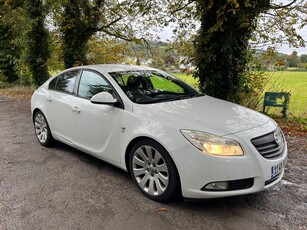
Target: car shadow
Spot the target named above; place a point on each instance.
(178, 202)
(89, 159)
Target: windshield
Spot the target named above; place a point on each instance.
(148, 86)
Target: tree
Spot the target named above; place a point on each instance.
(227, 31)
(106, 51)
(268, 59)
(280, 22)
(293, 59)
(303, 58)
(222, 44)
(79, 20)
(10, 52)
(9, 55)
(169, 61)
(38, 41)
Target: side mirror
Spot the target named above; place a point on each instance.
(103, 98)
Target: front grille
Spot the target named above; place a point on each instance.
(270, 146)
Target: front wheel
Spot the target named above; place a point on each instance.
(153, 171)
(42, 129)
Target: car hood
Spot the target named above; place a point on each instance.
(204, 113)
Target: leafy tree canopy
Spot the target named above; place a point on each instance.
(228, 29)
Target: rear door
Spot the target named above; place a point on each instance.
(59, 109)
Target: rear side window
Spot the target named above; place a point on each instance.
(52, 83)
(65, 82)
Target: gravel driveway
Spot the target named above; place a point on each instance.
(63, 188)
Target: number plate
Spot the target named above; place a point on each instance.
(276, 169)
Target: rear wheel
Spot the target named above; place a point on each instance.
(42, 129)
(153, 171)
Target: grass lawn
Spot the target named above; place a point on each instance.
(293, 82)
(296, 84)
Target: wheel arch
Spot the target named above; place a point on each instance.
(49, 140)
(35, 111)
(134, 141)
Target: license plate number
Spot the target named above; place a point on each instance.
(276, 169)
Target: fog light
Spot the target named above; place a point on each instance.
(216, 186)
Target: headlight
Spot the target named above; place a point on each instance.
(211, 144)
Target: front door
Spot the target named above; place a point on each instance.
(97, 127)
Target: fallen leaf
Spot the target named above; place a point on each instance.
(161, 209)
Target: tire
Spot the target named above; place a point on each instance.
(42, 130)
(153, 171)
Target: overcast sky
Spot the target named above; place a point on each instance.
(167, 34)
(288, 50)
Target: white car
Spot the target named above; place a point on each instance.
(168, 136)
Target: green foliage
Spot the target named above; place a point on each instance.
(105, 51)
(270, 60)
(158, 63)
(253, 85)
(184, 46)
(188, 78)
(293, 59)
(222, 45)
(227, 30)
(280, 23)
(79, 22)
(98, 31)
(8, 67)
(38, 42)
(10, 52)
(303, 58)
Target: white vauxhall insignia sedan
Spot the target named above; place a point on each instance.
(168, 136)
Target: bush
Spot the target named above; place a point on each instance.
(252, 88)
(280, 68)
(5, 85)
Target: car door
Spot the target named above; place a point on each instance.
(96, 126)
(59, 110)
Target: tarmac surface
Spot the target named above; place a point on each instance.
(63, 188)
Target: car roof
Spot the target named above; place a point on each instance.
(113, 67)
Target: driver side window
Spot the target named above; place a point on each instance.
(92, 83)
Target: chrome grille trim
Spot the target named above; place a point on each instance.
(268, 146)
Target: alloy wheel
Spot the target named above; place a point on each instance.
(41, 128)
(150, 170)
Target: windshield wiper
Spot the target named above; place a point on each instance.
(175, 98)
(199, 95)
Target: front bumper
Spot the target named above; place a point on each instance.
(197, 169)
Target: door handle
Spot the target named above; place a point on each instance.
(75, 109)
(49, 99)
